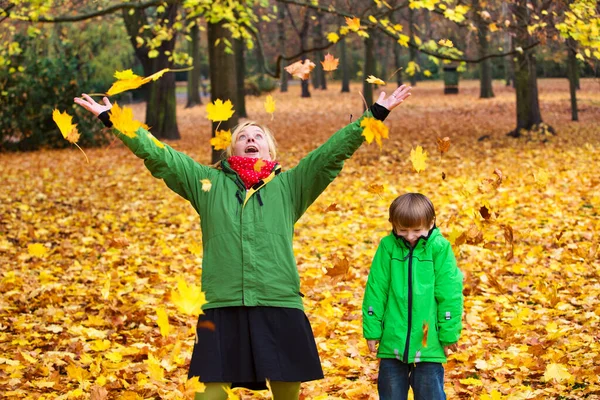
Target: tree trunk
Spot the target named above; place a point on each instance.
(303, 39)
(319, 72)
(507, 60)
(572, 75)
(161, 111)
(344, 65)
(240, 73)
(412, 51)
(485, 67)
(281, 37)
(222, 77)
(383, 67)
(528, 107)
(369, 69)
(193, 81)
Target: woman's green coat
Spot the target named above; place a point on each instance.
(411, 291)
(248, 259)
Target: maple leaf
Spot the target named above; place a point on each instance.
(127, 80)
(68, 130)
(98, 393)
(333, 37)
(37, 250)
(259, 164)
(301, 69)
(340, 267)
(206, 185)
(122, 119)
(353, 23)
(155, 370)
(375, 80)
(557, 373)
(330, 63)
(188, 299)
(193, 386)
(222, 139)
(270, 105)
(418, 157)
(219, 110)
(163, 321)
(425, 333)
(443, 144)
(374, 129)
(494, 395)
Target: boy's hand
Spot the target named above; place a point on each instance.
(452, 347)
(373, 344)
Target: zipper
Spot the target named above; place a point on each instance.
(242, 247)
(410, 302)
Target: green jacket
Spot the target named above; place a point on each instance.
(408, 290)
(248, 258)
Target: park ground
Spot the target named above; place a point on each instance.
(79, 315)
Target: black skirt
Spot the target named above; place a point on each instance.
(252, 344)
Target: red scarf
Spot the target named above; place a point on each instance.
(244, 166)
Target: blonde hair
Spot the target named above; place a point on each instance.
(241, 127)
(412, 210)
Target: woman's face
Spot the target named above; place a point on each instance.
(252, 142)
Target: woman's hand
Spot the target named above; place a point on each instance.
(395, 99)
(90, 104)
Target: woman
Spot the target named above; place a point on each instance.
(249, 272)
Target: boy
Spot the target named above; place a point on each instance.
(413, 303)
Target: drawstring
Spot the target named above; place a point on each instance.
(239, 197)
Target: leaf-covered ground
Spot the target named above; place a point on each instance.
(88, 252)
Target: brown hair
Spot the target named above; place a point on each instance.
(412, 210)
(240, 128)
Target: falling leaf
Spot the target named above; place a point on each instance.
(219, 110)
(122, 119)
(188, 299)
(375, 80)
(446, 43)
(425, 333)
(340, 267)
(270, 105)
(125, 74)
(206, 325)
(37, 250)
(259, 164)
(418, 157)
(222, 139)
(163, 321)
(374, 129)
(557, 373)
(301, 69)
(68, 130)
(443, 144)
(127, 80)
(206, 184)
(330, 63)
(353, 23)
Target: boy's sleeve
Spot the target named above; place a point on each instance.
(376, 294)
(448, 295)
(180, 172)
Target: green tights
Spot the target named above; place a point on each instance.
(281, 391)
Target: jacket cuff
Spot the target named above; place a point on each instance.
(379, 111)
(105, 118)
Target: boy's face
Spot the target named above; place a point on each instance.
(412, 235)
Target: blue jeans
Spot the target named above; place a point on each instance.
(425, 378)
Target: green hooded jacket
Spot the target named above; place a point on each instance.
(248, 258)
(411, 291)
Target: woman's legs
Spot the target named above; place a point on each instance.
(213, 391)
(285, 390)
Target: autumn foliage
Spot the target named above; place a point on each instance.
(98, 261)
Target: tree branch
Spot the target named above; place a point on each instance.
(99, 13)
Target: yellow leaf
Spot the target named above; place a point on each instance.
(541, 177)
(156, 75)
(194, 248)
(155, 370)
(76, 373)
(219, 110)
(188, 299)
(124, 85)
(163, 321)
(330, 63)
(375, 80)
(427, 73)
(471, 382)
(353, 23)
(333, 37)
(222, 140)
(230, 394)
(446, 43)
(153, 53)
(412, 68)
(37, 250)
(557, 373)
(114, 356)
(374, 129)
(418, 158)
(193, 386)
(100, 345)
(403, 40)
(493, 27)
(105, 291)
(68, 130)
(206, 185)
(122, 119)
(270, 104)
(495, 395)
(125, 75)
